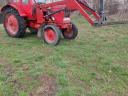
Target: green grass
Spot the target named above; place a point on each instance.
(95, 64)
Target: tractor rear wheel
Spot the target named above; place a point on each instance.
(70, 33)
(51, 34)
(14, 24)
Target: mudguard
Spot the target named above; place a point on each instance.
(16, 7)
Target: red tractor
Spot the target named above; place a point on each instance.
(49, 20)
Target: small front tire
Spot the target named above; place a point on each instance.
(70, 33)
(51, 34)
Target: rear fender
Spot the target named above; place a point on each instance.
(16, 7)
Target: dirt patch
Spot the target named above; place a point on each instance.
(3, 61)
(7, 68)
(48, 87)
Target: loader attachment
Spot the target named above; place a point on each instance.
(93, 17)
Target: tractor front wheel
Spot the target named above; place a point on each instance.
(14, 24)
(70, 33)
(51, 34)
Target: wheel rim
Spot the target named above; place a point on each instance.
(50, 36)
(68, 33)
(11, 24)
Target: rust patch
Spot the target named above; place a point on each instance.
(48, 87)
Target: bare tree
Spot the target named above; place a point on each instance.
(112, 6)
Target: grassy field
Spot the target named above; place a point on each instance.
(95, 64)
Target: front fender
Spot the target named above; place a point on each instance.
(16, 7)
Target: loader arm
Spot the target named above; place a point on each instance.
(83, 7)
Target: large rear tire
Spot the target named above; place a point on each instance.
(51, 34)
(14, 24)
(70, 33)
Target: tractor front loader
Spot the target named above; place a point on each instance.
(49, 20)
